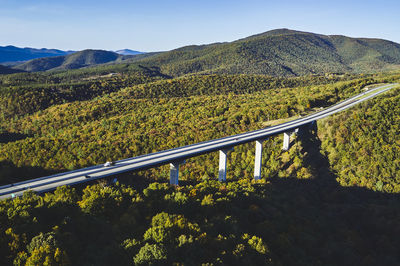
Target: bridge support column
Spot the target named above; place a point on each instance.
(258, 159)
(286, 141)
(222, 164)
(174, 172)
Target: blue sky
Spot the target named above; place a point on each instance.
(159, 25)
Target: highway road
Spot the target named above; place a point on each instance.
(175, 155)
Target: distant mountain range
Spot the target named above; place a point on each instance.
(281, 52)
(76, 60)
(128, 52)
(13, 54)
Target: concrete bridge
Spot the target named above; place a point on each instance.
(177, 156)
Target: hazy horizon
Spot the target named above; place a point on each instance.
(130, 48)
(166, 25)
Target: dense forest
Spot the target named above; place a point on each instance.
(70, 61)
(281, 52)
(363, 145)
(332, 199)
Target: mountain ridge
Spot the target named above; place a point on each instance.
(72, 61)
(12, 53)
(280, 52)
(128, 52)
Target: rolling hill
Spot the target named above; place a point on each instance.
(72, 61)
(14, 54)
(282, 52)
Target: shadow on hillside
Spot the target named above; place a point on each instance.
(328, 101)
(11, 137)
(325, 177)
(318, 218)
(10, 173)
(303, 222)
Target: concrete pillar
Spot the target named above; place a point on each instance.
(286, 141)
(174, 172)
(258, 159)
(222, 164)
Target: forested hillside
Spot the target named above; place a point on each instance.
(7, 70)
(363, 146)
(22, 94)
(280, 52)
(71, 61)
(140, 119)
(332, 199)
(15, 54)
